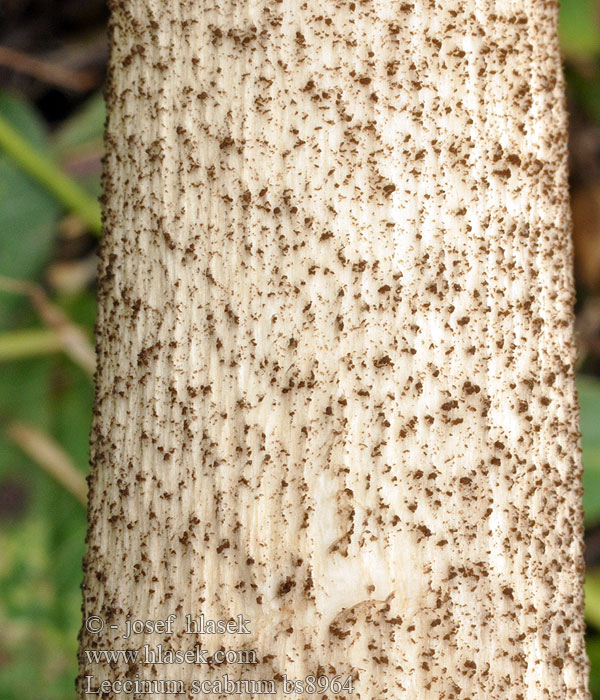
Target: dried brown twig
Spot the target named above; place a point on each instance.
(78, 81)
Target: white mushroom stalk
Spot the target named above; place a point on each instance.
(335, 347)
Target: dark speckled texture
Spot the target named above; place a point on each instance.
(335, 387)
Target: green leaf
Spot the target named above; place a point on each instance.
(579, 28)
(72, 404)
(43, 169)
(28, 342)
(28, 213)
(589, 408)
(591, 485)
(80, 139)
(593, 651)
(592, 599)
(588, 390)
(24, 389)
(80, 307)
(41, 553)
(583, 88)
(84, 129)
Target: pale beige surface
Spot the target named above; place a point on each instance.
(335, 342)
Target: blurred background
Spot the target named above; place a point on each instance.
(52, 63)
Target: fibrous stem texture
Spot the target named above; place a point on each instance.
(335, 388)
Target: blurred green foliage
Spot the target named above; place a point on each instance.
(579, 29)
(42, 526)
(29, 214)
(589, 403)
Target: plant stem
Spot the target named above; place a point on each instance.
(47, 173)
(17, 345)
(50, 456)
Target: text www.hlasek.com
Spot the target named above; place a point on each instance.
(161, 655)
